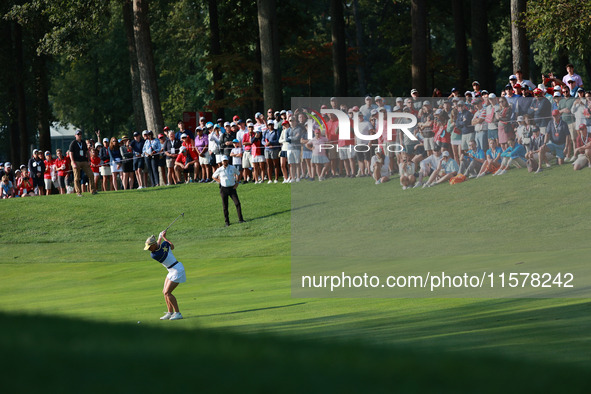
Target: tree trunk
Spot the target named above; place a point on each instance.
(519, 42)
(269, 39)
(361, 81)
(145, 60)
(481, 48)
(42, 100)
(215, 50)
(460, 44)
(339, 48)
(136, 87)
(257, 79)
(19, 135)
(418, 16)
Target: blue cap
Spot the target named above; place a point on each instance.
(235, 140)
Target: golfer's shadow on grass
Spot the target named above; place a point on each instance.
(247, 310)
(285, 211)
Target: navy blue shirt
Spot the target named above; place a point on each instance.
(163, 255)
(464, 122)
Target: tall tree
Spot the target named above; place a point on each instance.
(269, 39)
(362, 84)
(461, 49)
(215, 51)
(145, 59)
(481, 47)
(339, 48)
(519, 42)
(136, 87)
(418, 16)
(19, 138)
(42, 113)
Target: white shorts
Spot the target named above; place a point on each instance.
(105, 170)
(246, 159)
(177, 273)
(293, 156)
(49, 183)
(218, 158)
(429, 143)
(258, 159)
(346, 152)
(115, 169)
(204, 160)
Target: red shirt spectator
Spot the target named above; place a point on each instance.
(257, 147)
(95, 162)
(183, 159)
(49, 168)
(246, 140)
(62, 165)
(25, 184)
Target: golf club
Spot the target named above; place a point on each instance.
(181, 215)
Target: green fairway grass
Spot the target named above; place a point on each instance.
(75, 281)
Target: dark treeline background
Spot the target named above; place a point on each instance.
(124, 65)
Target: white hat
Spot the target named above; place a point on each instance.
(426, 102)
(105, 139)
(414, 91)
(378, 98)
(557, 94)
(97, 145)
(250, 124)
(7, 164)
(492, 95)
(183, 149)
(150, 241)
(374, 111)
(226, 124)
(225, 158)
(399, 99)
(232, 124)
(184, 135)
(445, 153)
(520, 118)
(542, 87)
(512, 76)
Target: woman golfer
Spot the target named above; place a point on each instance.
(161, 252)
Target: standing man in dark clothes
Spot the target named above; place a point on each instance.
(227, 176)
(78, 153)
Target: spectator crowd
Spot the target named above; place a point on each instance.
(458, 137)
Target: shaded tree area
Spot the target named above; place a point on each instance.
(76, 62)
